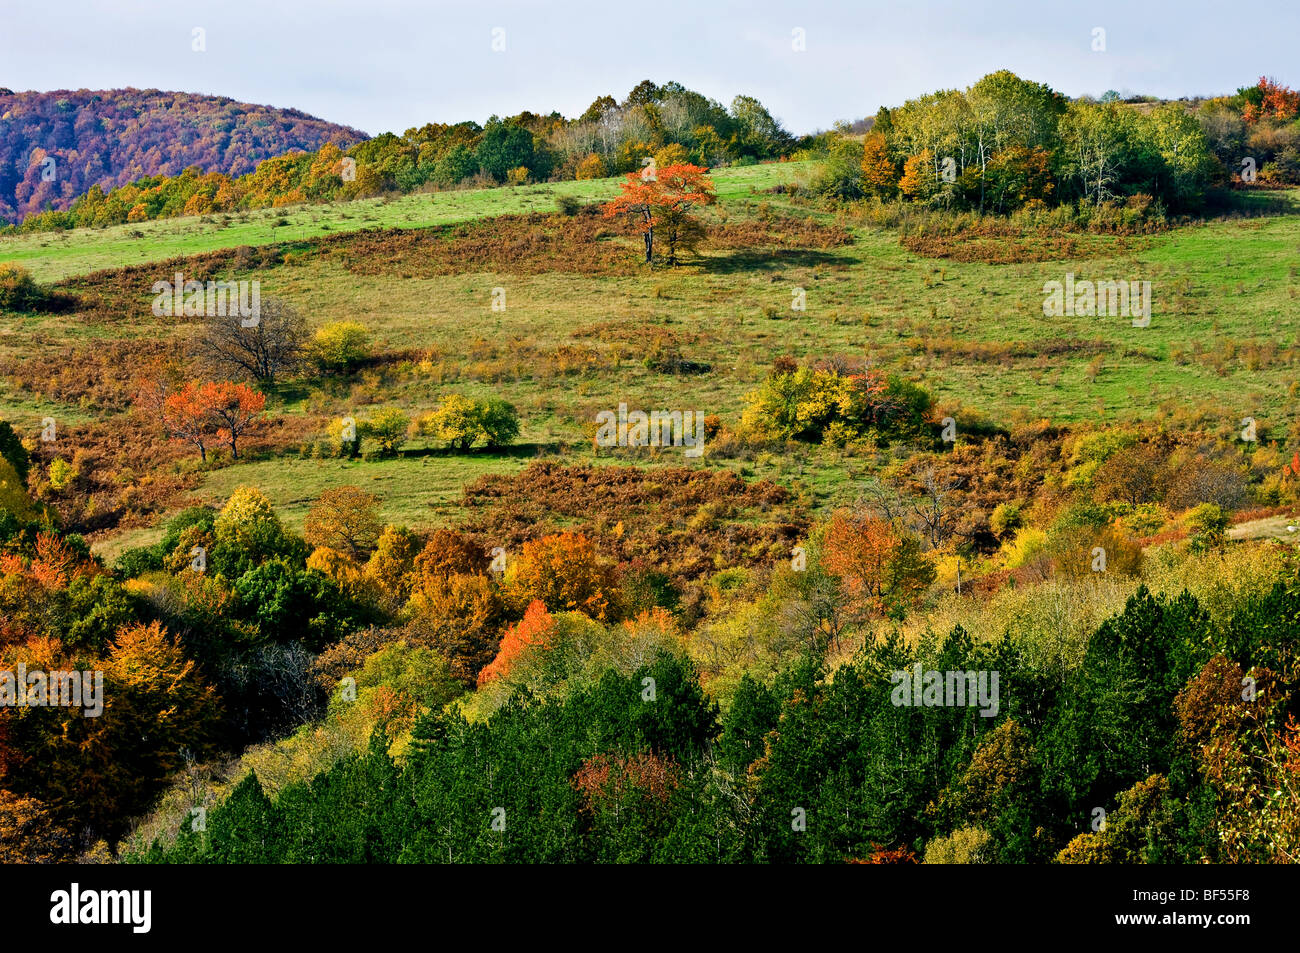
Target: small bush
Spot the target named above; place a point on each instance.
(386, 427)
(341, 345)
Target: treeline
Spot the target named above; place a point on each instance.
(55, 146)
(669, 122)
(1006, 144)
(1150, 751)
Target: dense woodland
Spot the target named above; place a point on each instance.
(110, 138)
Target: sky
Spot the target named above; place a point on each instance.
(389, 65)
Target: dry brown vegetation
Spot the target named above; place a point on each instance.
(684, 522)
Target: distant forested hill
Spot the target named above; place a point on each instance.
(112, 137)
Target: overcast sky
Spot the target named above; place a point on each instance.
(388, 65)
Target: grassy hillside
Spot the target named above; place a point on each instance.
(54, 255)
(1222, 343)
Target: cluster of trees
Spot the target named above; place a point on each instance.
(718, 735)
(1006, 143)
(838, 401)
(1255, 132)
(60, 144)
(1173, 742)
(458, 422)
(278, 345)
(669, 123)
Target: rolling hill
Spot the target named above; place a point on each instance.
(112, 137)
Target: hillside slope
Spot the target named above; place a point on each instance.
(112, 137)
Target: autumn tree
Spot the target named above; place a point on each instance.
(391, 563)
(448, 552)
(233, 408)
(345, 518)
(1274, 101)
(879, 176)
(665, 197)
(564, 572)
(880, 565)
(185, 417)
(460, 616)
(29, 834)
(212, 411)
(535, 630)
(919, 180)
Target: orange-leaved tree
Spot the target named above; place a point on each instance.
(880, 565)
(534, 630)
(565, 572)
(234, 408)
(878, 172)
(187, 419)
(216, 410)
(665, 197)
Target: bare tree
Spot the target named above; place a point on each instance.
(930, 511)
(937, 517)
(260, 348)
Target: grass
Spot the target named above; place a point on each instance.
(50, 256)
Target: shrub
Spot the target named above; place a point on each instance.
(344, 437)
(18, 290)
(462, 421)
(1208, 524)
(1006, 518)
(341, 345)
(592, 167)
(387, 427)
(61, 474)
